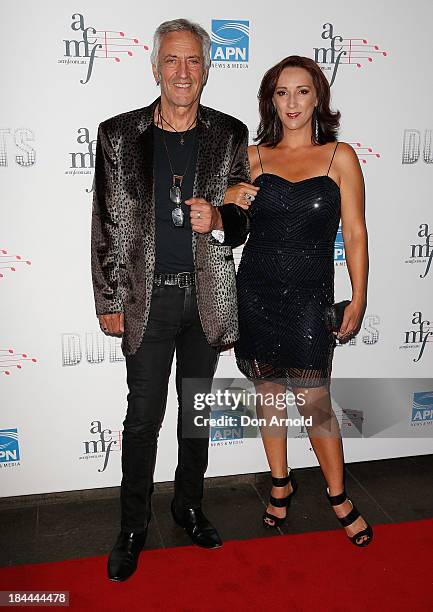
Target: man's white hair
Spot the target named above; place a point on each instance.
(181, 25)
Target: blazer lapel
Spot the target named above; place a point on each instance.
(144, 176)
(143, 157)
(204, 155)
(204, 163)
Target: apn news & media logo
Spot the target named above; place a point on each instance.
(9, 448)
(230, 46)
(19, 138)
(96, 347)
(95, 45)
(228, 427)
(105, 441)
(339, 250)
(412, 140)
(418, 337)
(422, 253)
(422, 408)
(354, 51)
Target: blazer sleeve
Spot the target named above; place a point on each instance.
(235, 220)
(105, 238)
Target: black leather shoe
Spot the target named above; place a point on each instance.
(197, 526)
(123, 559)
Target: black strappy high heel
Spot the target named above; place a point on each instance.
(336, 500)
(282, 502)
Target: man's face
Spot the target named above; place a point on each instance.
(180, 68)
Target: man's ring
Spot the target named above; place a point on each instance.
(199, 215)
(248, 196)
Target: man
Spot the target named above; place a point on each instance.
(163, 270)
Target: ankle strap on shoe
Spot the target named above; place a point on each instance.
(281, 482)
(349, 518)
(336, 500)
(280, 502)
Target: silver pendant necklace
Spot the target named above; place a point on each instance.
(175, 193)
(182, 137)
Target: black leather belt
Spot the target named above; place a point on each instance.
(181, 279)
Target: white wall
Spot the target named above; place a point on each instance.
(45, 219)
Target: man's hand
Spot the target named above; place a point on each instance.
(112, 324)
(204, 216)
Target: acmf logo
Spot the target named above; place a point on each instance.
(230, 40)
(96, 44)
(355, 51)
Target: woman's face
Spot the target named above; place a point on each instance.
(295, 98)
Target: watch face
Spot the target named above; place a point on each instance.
(177, 216)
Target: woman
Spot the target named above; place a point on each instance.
(303, 181)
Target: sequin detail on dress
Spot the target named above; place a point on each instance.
(286, 279)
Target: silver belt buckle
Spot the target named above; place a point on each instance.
(179, 280)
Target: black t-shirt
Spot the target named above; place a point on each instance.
(173, 245)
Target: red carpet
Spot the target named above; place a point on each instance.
(314, 571)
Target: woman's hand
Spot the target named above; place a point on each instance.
(352, 319)
(241, 194)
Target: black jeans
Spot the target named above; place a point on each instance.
(174, 324)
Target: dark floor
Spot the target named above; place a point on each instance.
(59, 526)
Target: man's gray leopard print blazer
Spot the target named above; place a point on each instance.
(123, 221)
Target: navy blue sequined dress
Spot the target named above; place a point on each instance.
(286, 279)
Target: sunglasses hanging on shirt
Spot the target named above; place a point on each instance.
(176, 197)
(175, 193)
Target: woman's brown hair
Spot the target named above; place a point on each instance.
(270, 130)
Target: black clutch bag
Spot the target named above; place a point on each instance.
(334, 315)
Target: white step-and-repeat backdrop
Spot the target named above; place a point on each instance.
(62, 383)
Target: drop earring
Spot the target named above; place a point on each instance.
(316, 125)
(274, 127)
